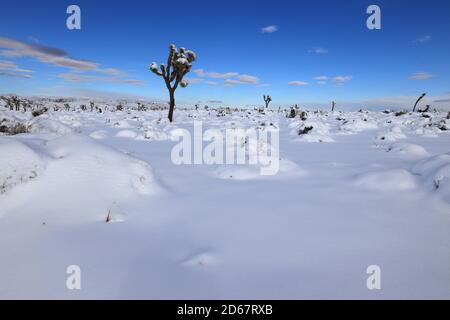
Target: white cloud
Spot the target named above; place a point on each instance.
(194, 80)
(33, 39)
(420, 76)
(319, 50)
(245, 78)
(321, 78)
(297, 83)
(231, 78)
(269, 29)
(11, 69)
(59, 58)
(232, 82)
(342, 79)
(215, 75)
(423, 39)
(77, 77)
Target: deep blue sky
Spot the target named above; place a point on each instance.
(227, 37)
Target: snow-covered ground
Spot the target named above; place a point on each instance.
(358, 189)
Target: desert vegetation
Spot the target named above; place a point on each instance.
(179, 63)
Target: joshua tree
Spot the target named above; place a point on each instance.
(420, 98)
(16, 101)
(13, 102)
(179, 63)
(267, 100)
(8, 103)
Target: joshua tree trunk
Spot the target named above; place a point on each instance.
(420, 98)
(171, 104)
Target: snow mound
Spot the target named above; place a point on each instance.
(99, 134)
(238, 172)
(435, 172)
(356, 126)
(154, 135)
(45, 125)
(428, 131)
(409, 150)
(18, 164)
(123, 124)
(393, 134)
(286, 169)
(386, 180)
(88, 163)
(126, 134)
(312, 131)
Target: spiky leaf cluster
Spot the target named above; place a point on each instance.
(179, 63)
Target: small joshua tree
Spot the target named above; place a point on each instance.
(8, 103)
(267, 100)
(179, 63)
(420, 98)
(16, 102)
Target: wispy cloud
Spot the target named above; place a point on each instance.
(232, 82)
(215, 75)
(340, 80)
(318, 50)
(77, 77)
(231, 78)
(423, 39)
(16, 49)
(269, 29)
(11, 69)
(194, 80)
(33, 39)
(442, 100)
(420, 76)
(321, 78)
(297, 83)
(14, 75)
(245, 78)
(242, 79)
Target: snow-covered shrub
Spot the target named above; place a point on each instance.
(12, 128)
(435, 172)
(10, 125)
(305, 130)
(18, 164)
(39, 112)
